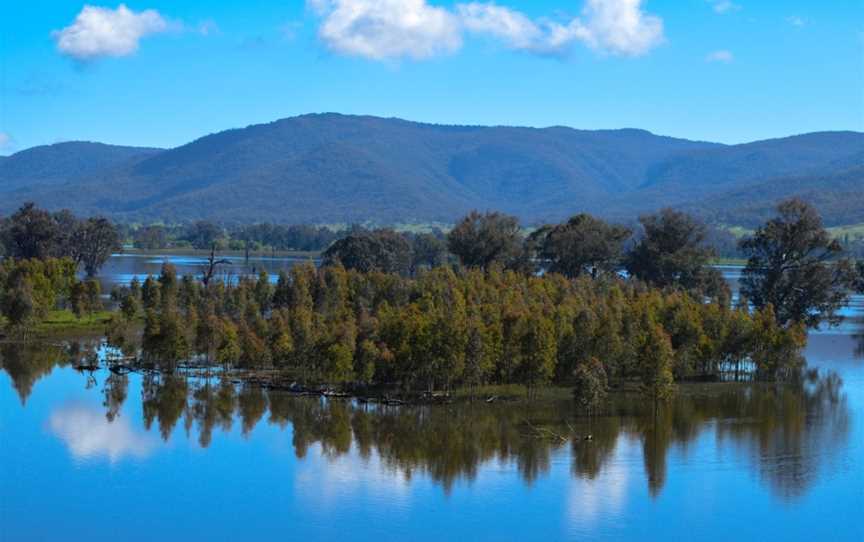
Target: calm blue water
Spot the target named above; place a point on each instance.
(192, 459)
(120, 269)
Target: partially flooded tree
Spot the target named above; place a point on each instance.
(92, 243)
(589, 383)
(655, 356)
(795, 267)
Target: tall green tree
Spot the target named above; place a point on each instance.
(92, 243)
(672, 253)
(482, 239)
(380, 250)
(656, 358)
(796, 267)
(30, 233)
(583, 244)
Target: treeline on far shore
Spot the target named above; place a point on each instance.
(577, 303)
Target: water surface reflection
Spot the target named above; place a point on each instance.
(786, 434)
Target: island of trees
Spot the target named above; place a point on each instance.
(583, 303)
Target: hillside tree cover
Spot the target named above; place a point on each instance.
(434, 173)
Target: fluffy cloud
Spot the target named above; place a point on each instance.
(722, 56)
(795, 20)
(99, 32)
(387, 29)
(621, 27)
(517, 30)
(5, 140)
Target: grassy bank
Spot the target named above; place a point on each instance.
(66, 321)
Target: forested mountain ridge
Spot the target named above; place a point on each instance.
(328, 168)
(63, 162)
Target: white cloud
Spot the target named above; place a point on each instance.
(722, 56)
(621, 27)
(387, 29)
(723, 6)
(5, 140)
(513, 27)
(99, 32)
(795, 20)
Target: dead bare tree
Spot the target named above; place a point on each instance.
(212, 265)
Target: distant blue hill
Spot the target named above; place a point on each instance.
(336, 168)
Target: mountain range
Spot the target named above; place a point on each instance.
(331, 168)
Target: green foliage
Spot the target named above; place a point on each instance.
(31, 288)
(776, 349)
(380, 250)
(796, 268)
(346, 169)
(590, 383)
(583, 244)
(672, 252)
(445, 329)
(480, 240)
(84, 298)
(32, 233)
(655, 358)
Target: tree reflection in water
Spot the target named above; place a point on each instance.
(787, 431)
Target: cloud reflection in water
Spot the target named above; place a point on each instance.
(88, 434)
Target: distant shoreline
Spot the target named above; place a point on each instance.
(303, 254)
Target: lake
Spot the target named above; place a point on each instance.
(103, 456)
(120, 269)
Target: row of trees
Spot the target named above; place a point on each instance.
(793, 263)
(204, 235)
(444, 329)
(33, 233)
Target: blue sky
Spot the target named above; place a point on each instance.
(162, 73)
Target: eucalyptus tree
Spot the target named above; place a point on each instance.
(796, 268)
(583, 244)
(482, 239)
(672, 253)
(379, 250)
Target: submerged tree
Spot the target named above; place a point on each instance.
(589, 383)
(655, 356)
(795, 267)
(92, 243)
